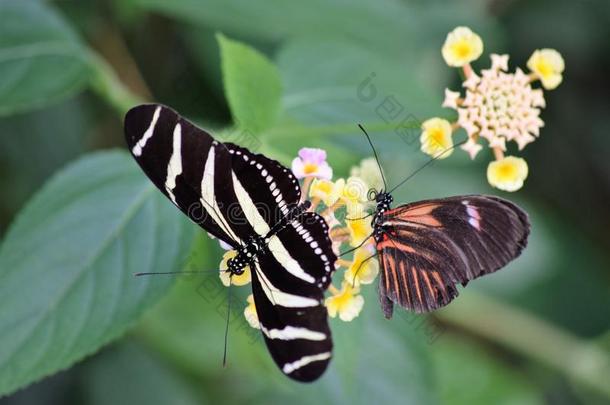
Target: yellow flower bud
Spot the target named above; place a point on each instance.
(436, 137)
(547, 65)
(345, 303)
(507, 174)
(226, 278)
(364, 268)
(462, 46)
(326, 190)
(250, 313)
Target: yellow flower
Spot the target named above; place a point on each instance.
(436, 137)
(369, 172)
(364, 267)
(226, 279)
(508, 173)
(354, 192)
(359, 230)
(250, 313)
(346, 303)
(356, 210)
(326, 190)
(548, 65)
(462, 46)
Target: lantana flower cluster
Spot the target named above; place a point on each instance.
(334, 199)
(496, 106)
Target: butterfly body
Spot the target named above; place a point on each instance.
(383, 203)
(255, 244)
(246, 256)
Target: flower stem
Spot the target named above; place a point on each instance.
(498, 153)
(467, 69)
(107, 86)
(305, 188)
(533, 337)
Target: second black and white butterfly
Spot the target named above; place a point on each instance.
(254, 204)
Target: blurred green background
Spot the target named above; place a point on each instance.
(536, 332)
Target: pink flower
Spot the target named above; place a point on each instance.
(500, 106)
(499, 62)
(451, 99)
(311, 162)
(472, 147)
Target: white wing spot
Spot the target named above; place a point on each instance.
(137, 149)
(174, 168)
(303, 361)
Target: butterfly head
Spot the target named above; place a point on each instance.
(384, 201)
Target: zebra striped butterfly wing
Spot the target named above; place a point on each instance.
(252, 203)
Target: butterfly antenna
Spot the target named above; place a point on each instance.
(224, 355)
(360, 267)
(356, 247)
(429, 162)
(368, 138)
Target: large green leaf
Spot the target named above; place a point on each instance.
(151, 381)
(252, 85)
(67, 265)
(332, 80)
(41, 59)
(67, 121)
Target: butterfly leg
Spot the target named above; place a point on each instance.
(357, 247)
(361, 218)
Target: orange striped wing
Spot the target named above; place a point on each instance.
(429, 247)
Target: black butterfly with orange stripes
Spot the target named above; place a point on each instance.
(427, 248)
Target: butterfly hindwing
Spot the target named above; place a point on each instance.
(271, 186)
(289, 304)
(429, 247)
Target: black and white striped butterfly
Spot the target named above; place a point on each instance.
(252, 203)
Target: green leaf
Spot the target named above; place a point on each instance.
(384, 24)
(67, 265)
(67, 121)
(332, 80)
(151, 381)
(41, 59)
(252, 85)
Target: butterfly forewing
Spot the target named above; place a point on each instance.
(429, 247)
(183, 161)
